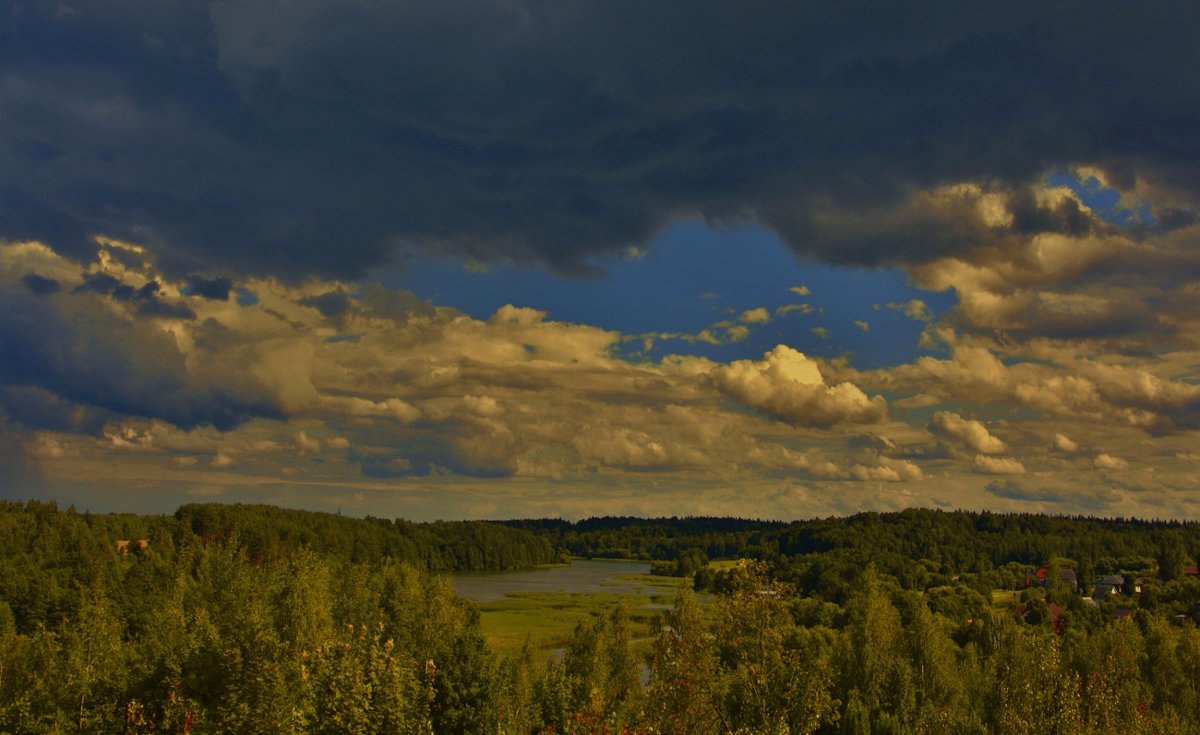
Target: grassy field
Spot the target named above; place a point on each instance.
(548, 619)
(723, 565)
(1005, 597)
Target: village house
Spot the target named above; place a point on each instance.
(1108, 584)
(1041, 577)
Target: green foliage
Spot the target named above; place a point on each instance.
(770, 680)
(516, 692)
(871, 671)
(246, 619)
(683, 697)
(359, 682)
(748, 670)
(596, 680)
(660, 539)
(266, 533)
(688, 563)
(1172, 556)
(212, 635)
(918, 548)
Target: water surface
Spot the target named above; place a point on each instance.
(585, 576)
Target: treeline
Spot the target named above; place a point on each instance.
(922, 548)
(969, 541)
(886, 662)
(958, 540)
(246, 619)
(270, 532)
(919, 548)
(214, 642)
(47, 555)
(660, 539)
(211, 641)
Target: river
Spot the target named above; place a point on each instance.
(583, 576)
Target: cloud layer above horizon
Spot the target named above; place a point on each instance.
(215, 220)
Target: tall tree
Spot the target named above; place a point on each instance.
(872, 665)
(1172, 556)
(681, 698)
(769, 680)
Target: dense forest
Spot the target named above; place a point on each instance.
(916, 548)
(249, 619)
(46, 555)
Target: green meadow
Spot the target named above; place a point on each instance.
(548, 619)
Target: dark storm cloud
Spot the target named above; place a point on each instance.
(1090, 498)
(38, 408)
(213, 289)
(40, 285)
(73, 365)
(421, 457)
(154, 306)
(331, 304)
(1173, 218)
(1016, 491)
(145, 297)
(101, 283)
(321, 136)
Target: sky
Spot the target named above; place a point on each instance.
(516, 258)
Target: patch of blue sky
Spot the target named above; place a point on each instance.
(246, 297)
(693, 278)
(1103, 200)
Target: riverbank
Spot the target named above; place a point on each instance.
(545, 605)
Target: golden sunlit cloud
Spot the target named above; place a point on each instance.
(397, 391)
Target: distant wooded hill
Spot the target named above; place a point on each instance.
(915, 546)
(238, 618)
(46, 554)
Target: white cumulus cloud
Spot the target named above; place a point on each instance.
(756, 316)
(969, 431)
(1063, 443)
(998, 465)
(1109, 462)
(788, 385)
